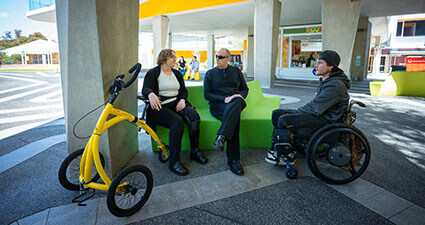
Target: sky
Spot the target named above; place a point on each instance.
(13, 17)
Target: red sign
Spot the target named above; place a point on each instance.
(415, 64)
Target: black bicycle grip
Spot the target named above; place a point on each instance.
(136, 67)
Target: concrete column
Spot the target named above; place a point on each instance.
(361, 50)
(340, 19)
(377, 56)
(210, 51)
(93, 52)
(250, 50)
(160, 35)
(170, 40)
(266, 35)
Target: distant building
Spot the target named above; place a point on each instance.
(405, 37)
(36, 52)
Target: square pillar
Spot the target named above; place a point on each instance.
(250, 50)
(266, 35)
(358, 70)
(160, 35)
(210, 52)
(93, 51)
(340, 19)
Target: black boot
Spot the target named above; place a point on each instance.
(196, 155)
(178, 168)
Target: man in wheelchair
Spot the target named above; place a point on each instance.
(328, 106)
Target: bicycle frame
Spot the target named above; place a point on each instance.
(91, 151)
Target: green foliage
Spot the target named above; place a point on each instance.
(8, 42)
(13, 59)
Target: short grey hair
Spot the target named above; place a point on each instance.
(225, 49)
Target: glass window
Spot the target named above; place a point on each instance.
(409, 29)
(399, 28)
(420, 28)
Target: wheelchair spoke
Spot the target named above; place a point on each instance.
(352, 169)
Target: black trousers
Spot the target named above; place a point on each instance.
(168, 117)
(230, 116)
(297, 122)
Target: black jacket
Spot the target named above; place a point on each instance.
(150, 83)
(219, 84)
(331, 98)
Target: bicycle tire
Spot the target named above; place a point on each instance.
(134, 189)
(72, 163)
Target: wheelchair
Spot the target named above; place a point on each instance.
(337, 153)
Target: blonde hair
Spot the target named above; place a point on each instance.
(164, 54)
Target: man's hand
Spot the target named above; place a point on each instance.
(228, 99)
(180, 106)
(154, 101)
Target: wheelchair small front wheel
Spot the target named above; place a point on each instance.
(69, 171)
(291, 173)
(129, 190)
(338, 154)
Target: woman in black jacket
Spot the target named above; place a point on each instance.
(167, 93)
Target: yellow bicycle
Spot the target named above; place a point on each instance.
(131, 188)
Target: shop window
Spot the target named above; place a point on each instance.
(382, 64)
(411, 28)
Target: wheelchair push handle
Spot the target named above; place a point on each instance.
(352, 103)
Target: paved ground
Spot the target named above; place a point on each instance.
(391, 190)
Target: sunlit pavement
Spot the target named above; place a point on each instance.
(390, 191)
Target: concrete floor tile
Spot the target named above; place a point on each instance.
(36, 219)
(414, 215)
(359, 190)
(74, 214)
(386, 204)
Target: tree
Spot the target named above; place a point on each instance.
(7, 35)
(8, 42)
(17, 34)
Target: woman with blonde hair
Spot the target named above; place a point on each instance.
(167, 94)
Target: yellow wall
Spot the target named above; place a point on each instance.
(203, 55)
(161, 7)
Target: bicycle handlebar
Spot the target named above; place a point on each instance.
(136, 67)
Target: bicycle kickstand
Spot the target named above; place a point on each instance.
(83, 192)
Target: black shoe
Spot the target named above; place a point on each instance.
(178, 169)
(219, 142)
(236, 167)
(197, 156)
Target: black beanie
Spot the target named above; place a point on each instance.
(331, 57)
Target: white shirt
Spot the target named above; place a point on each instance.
(168, 86)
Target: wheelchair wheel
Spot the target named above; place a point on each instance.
(69, 171)
(129, 190)
(338, 153)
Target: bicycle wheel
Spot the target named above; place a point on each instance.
(69, 171)
(129, 190)
(338, 154)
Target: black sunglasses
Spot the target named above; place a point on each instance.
(221, 56)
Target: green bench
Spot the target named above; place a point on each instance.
(400, 83)
(256, 126)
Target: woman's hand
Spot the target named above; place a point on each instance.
(228, 99)
(154, 101)
(180, 106)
